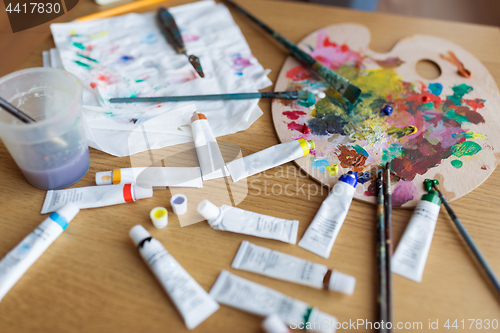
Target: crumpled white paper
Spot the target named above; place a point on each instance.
(127, 56)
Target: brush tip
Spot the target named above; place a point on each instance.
(352, 94)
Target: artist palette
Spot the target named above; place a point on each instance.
(446, 128)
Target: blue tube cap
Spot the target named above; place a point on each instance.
(350, 178)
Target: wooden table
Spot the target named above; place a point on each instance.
(93, 280)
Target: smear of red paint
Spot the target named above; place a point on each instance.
(344, 48)
(349, 158)
(475, 103)
(327, 43)
(298, 73)
(302, 128)
(484, 167)
(93, 85)
(90, 47)
(294, 115)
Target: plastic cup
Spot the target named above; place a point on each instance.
(53, 152)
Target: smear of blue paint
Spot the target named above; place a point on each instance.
(150, 38)
(126, 58)
(364, 177)
(320, 165)
(436, 88)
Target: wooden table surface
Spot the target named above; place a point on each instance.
(92, 279)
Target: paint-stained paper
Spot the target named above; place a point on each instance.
(127, 56)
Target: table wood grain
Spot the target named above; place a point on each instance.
(92, 279)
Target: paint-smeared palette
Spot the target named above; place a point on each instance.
(446, 128)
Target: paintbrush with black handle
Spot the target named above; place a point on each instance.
(381, 252)
(349, 93)
(16, 112)
(433, 183)
(174, 38)
(388, 240)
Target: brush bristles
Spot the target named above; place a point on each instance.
(352, 94)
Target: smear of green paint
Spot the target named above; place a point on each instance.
(85, 57)
(391, 153)
(360, 150)
(79, 45)
(457, 163)
(459, 92)
(140, 80)
(466, 148)
(79, 63)
(458, 117)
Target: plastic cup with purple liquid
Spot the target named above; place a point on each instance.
(53, 152)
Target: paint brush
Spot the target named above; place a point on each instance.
(388, 238)
(433, 183)
(381, 252)
(305, 95)
(16, 112)
(348, 92)
(174, 38)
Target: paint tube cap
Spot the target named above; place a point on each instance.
(208, 210)
(342, 283)
(138, 233)
(104, 178)
(159, 217)
(179, 204)
(432, 197)
(350, 178)
(311, 144)
(316, 317)
(274, 324)
(68, 211)
(142, 192)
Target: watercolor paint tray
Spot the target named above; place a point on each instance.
(455, 136)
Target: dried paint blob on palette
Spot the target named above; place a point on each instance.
(446, 128)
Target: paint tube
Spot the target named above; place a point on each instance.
(234, 291)
(227, 218)
(274, 324)
(20, 258)
(411, 254)
(94, 196)
(211, 162)
(269, 158)
(281, 266)
(324, 228)
(191, 300)
(152, 177)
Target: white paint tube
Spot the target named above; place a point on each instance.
(152, 177)
(324, 228)
(269, 158)
(211, 162)
(274, 324)
(94, 196)
(281, 266)
(411, 254)
(20, 258)
(234, 291)
(191, 300)
(227, 218)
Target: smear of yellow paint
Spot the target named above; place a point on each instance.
(104, 33)
(333, 169)
(473, 135)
